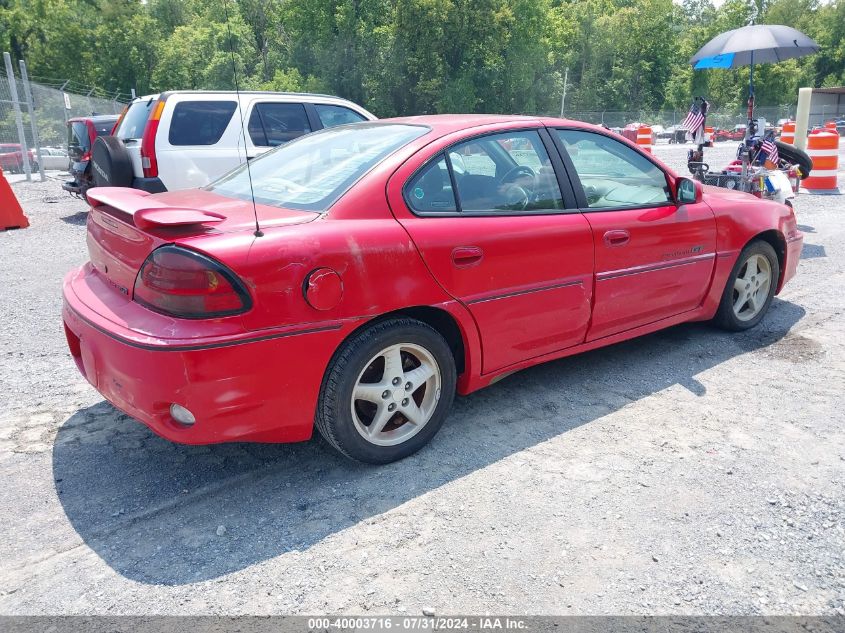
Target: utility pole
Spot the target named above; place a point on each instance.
(13, 88)
(31, 104)
(563, 96)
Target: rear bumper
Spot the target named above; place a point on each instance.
(262, 388)
(150, 185)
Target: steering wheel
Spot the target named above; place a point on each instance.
(515, 172)
(517, 198)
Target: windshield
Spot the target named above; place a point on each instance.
(312, 172)
(135, 119)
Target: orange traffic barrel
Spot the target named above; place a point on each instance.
(11, 214)
(644, 138)
(830, 125)
(823, 148)
(708, 136)
(787, 134)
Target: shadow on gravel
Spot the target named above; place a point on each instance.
(151, 509)
(78, 219)
(811, 251)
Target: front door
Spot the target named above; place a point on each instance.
(489, 219)
(654, 259)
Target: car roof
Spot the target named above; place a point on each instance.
(442, 124)
(99, 118)
(247, 93)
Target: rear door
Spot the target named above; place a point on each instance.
(197, 139)
(273, 123)
(496, 227)
(654, 259)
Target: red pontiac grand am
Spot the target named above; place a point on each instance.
(395, 263)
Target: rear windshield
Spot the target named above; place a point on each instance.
(313, 171)
(200, 122)
(77, 136)
(135, 119)
(104, 127)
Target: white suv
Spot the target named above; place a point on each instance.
(183, 139)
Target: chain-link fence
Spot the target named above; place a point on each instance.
(724, 119)
(50, 109)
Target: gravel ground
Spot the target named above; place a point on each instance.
(691, 471)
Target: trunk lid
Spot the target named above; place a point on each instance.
(126, 225)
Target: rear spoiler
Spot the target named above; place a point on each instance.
(148, 212)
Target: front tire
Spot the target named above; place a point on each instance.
(387, 391)
(750, 288)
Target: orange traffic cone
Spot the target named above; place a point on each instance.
(11, 214)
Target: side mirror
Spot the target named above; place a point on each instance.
(687, 191)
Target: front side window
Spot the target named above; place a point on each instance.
(508, 172)
(612, 174)
(200, 122)
(313, 171)
(331, 115)
(272, 124)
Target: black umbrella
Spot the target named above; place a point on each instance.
(756, 43)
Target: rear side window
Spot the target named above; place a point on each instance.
(331, 115)
(135, 119)
(430, 191)
(200, 122)
(272, 124)
(103, 128)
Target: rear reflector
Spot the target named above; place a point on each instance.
(186, 284)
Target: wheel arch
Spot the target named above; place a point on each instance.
(778, 242)
(439, 318)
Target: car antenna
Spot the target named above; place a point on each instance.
(258, 232)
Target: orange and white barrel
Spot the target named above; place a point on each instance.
(708, 136)
(831, 125)
(787, 134)
(644, 137)
(823, 149)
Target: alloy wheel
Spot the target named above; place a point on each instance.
(396, 394)
(751, 288)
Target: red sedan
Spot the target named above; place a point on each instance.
(383, 266)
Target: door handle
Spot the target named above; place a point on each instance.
(464, 256)
(617, 237)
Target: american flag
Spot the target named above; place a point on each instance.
(770, 149)
(695, 116)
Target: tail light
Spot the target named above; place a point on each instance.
(186, 284)
(148, 142)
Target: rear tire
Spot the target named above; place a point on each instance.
(794, 156)
(387, 391)
(750, 287)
